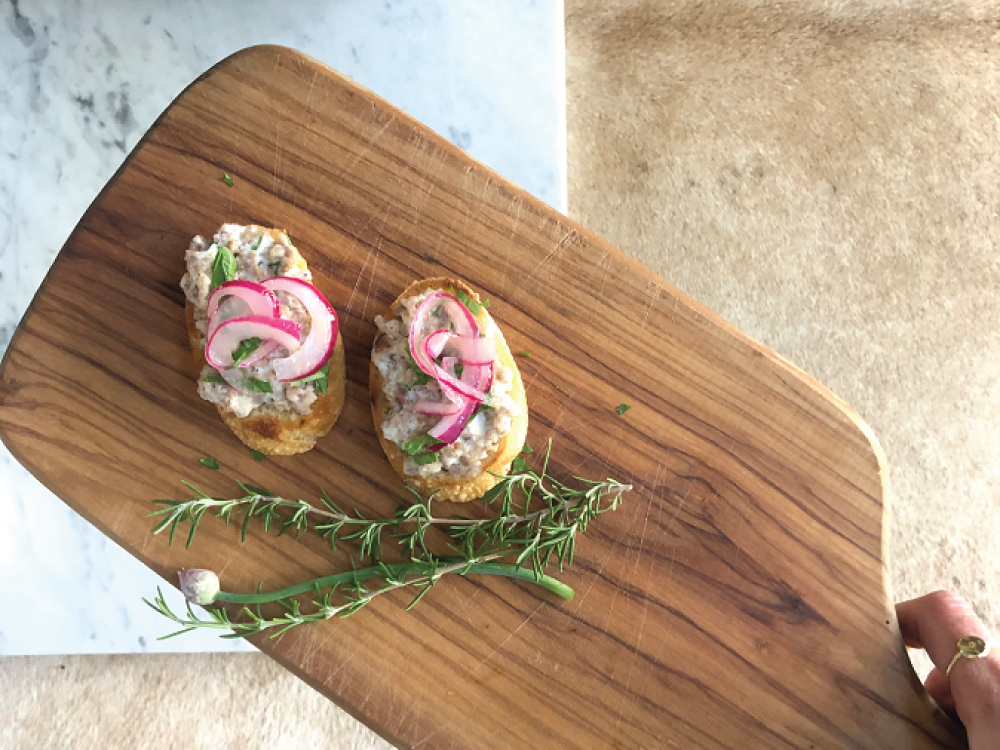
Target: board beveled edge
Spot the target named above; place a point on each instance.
(838, 407)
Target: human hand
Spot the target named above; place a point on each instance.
(935, 622)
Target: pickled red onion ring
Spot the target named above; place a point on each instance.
(478, 351)
(234, 379)
(465, 325)
(258, 298)
(227, 336)
(318, 345)
(454, 388)
(476, 354)
(451, 426)
(437, 408)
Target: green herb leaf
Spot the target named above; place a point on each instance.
(485, 303)
(518, 466)
(257, 490)
(245, 349)
(525, 353)
(213, 377)
(425, 458)
(536, 534)
(210, 463)
(256, 244)
(275, 266)
(419, 444)
(527, 449)
(473, 307)
(257, 455)
(227, 179)
(223, 267)
(261, 386)
(422, 377)
(321, 378)
(622, 408)
(459, 369)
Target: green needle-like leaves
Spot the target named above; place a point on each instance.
(537, 522)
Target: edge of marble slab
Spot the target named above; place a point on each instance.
(118, 571)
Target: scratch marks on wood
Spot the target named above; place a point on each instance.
(357, 283)
(511, 635)
(420, 203)
(511, 244)
(276, 180)
(649, 308)
(604, 265)
(371, 278)
(565, 240)
(312, 86)
(652, 499)
(367, 147)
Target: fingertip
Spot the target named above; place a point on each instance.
(938, 688)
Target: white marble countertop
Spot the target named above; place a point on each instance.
(83, 81)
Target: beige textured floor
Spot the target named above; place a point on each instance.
(823, 174)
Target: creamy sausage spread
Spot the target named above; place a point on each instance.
(467, 456)
(260, 254)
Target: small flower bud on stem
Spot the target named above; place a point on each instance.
(199, 586)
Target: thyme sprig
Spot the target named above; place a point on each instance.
(538, 519)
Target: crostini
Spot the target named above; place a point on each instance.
(265, 340)
(447, 398)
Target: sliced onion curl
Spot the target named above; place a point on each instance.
(437, 408)
(464, 345)
(318, 345)
(255, 298)
(456, 389)
(234, 379)
(464, 321)
(227, 337)
(450, 427)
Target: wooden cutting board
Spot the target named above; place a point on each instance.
(737, 599)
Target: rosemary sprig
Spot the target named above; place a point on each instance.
(422, 574)
(539, 535)
(530, 537)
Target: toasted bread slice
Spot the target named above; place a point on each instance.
(281, 431)
(447, 487)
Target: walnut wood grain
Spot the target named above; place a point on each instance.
(738, 598)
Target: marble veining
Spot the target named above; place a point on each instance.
(81, 83)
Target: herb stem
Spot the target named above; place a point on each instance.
(400, 571)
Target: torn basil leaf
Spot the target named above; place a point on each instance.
(471, 305)
(422, 377)
(419, 444)
(320, 378)
(223, 267)
(252, 384)
(245, 349)
(213, 377)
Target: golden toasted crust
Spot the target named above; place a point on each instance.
(454, 489)
(282, 431)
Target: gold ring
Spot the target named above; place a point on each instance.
(969, 647)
